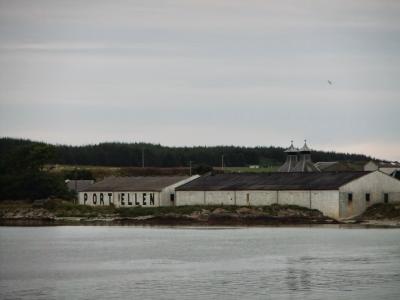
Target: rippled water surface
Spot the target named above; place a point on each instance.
(190, 263)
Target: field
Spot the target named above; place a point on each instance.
(100, 172)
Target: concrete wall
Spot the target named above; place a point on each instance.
(376, 184)
(300, 198)
(220, 197)
(325, 201)
(190, 198)
(256, 198)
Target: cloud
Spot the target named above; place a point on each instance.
(202, 72)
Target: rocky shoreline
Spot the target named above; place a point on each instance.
(243, 216)
(62, 214)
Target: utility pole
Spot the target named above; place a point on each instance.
(190, 168)
(142, 157)
(222, 162)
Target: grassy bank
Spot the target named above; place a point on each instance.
(62, 209)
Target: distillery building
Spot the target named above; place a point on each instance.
(298, 160)
(147, 191)
(336, 194)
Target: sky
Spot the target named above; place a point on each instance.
(221, 72)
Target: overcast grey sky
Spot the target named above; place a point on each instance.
(203, 72)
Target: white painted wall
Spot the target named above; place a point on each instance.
(300, 198)
(326, 202)
(190, 198)
(220, 197)
(376, 184)
(256, 198)
(170, 190)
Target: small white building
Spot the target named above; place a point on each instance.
(336, 194)
(147, 191)
(385, 167)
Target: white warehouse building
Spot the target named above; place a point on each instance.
(147, 191)
(336, 194)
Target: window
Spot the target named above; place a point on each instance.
(386, 197)
(350, 197)
(367, 197)
(172, 197)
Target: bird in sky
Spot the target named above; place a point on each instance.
(330, 82)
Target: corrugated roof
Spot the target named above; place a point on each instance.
(272, 181)
(340, 166)
(137, 183)
(291, 149)
(325, 164)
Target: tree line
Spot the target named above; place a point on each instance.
(155, 155)
(23, 174)
(24, 164)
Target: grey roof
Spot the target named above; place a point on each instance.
(271, 181)
(383, 164)
(79, 185)
(290, 163)
(389, 164)
(305, 147)
(291, 149)
(139, 183)
(325, 164)
(305, 164)
(340, 166)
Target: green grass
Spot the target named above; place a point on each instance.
(382, 211)
(179, 210)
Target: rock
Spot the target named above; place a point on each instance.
(199, 215)
(248, 211)
(144, 217)
(219, 211)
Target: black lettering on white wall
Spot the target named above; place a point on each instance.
(151, 198)
(136, 200)
(144, 198)
(129, 200)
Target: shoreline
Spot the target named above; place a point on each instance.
(64, 213)
(183, 222)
